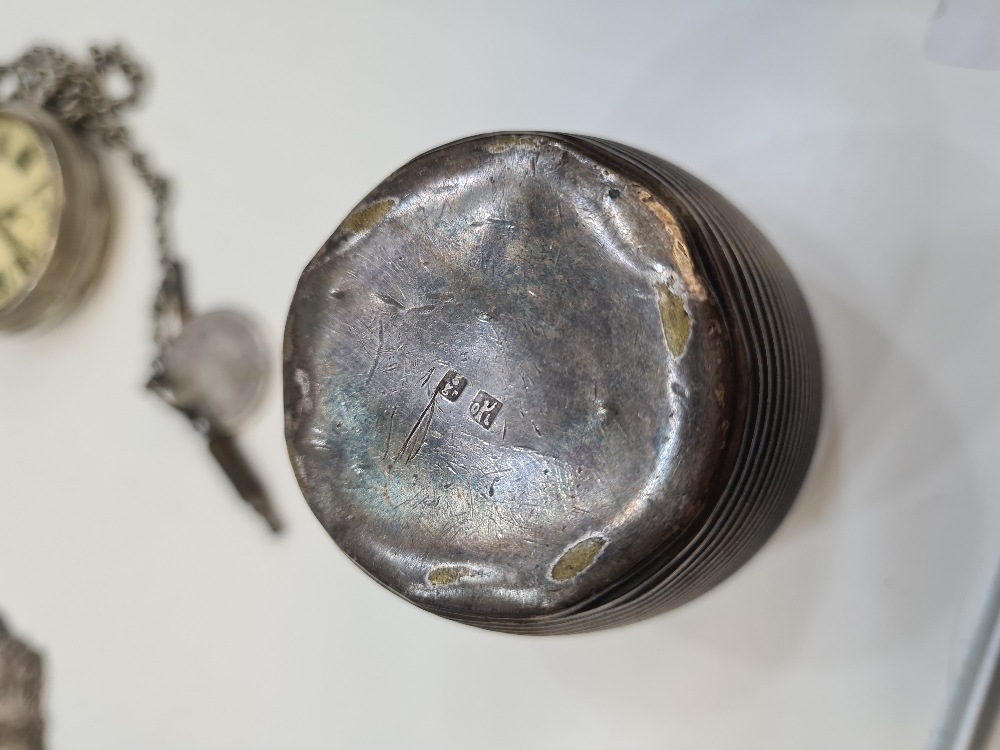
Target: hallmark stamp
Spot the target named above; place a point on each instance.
(452, 385)
(484, 409)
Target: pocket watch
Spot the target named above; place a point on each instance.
(55, 218)
(55, 221)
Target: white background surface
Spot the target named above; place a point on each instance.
(172, 620)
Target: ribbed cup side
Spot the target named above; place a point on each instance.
(771, 327)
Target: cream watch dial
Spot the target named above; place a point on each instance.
(27, 207)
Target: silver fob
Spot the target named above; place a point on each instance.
(216, 372)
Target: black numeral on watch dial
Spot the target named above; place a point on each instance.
(26, 158)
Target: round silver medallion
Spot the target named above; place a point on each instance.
(218, 368)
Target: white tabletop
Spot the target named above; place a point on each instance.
(172, 620)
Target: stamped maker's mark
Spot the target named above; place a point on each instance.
(483, 410)
(452, 385)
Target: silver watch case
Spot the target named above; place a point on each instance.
(77, 247)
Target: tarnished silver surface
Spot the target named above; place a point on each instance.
(521, 389)
(21, 722)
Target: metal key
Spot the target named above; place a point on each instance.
(228, 455)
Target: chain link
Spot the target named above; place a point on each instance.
(76, 94)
